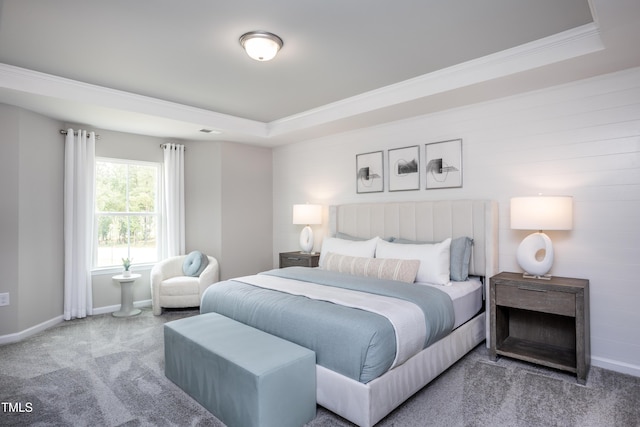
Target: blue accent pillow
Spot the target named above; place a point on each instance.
(345, 236)
(194, 264)
(460, 256)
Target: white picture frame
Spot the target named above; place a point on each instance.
(369, 172)
(443, 164)
(404, 168)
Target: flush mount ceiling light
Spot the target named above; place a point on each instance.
(261, 45)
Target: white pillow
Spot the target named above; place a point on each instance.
(360, 248)
(434, 258)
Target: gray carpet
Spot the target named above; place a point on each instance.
(103, 371)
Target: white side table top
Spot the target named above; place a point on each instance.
(122, 278)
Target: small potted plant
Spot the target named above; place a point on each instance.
(126, 263)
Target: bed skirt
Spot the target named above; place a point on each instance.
(366, 404)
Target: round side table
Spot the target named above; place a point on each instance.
(126, 295)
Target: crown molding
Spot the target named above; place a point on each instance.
(42, 84)
(566, 45)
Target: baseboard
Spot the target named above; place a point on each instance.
(614, 365)
(19, 336)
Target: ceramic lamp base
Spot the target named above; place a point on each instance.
(306, 239)
(529, 258)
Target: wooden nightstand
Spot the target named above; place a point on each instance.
(299, 259)
(541, 321)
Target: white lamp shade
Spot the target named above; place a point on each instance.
(542, 213)
(307, 214)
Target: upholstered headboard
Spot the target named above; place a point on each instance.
(426, 221)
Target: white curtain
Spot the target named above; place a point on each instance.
(79, 165)
(173, 200)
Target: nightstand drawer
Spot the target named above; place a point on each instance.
(536, 299)
(292, 260)
(298, 259)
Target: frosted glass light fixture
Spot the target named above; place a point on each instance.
(307, 215)
(261, 45)
(535, 253)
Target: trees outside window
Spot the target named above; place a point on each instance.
(126, 212)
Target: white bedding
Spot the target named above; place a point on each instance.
(466, 297)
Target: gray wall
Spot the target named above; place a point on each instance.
(203, 208)
(230, 199)
(31, 218)
(9, 213)
(247, 232)
(41, 194)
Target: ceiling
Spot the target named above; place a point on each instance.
(170, 68)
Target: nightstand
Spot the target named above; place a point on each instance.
(541, 321)
(299, 259)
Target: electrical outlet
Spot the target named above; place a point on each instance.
(4, 299)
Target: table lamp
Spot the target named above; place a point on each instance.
(307, 215)
(539, 213)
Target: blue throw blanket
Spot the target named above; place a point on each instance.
(355, 343)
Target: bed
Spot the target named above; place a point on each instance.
(366, 397)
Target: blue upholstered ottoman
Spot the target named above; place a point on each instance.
(242, 375)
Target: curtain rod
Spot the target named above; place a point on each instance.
(164, 145)
(64, 132)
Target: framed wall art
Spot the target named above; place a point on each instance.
(369, 172)
(444, 164)
(404, 168)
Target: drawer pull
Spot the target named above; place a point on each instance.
(294, 259)
(524, 288)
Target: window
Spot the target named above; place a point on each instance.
(126, 212)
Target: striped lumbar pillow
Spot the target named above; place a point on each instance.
(403, 270)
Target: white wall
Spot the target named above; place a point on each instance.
(580, 139)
